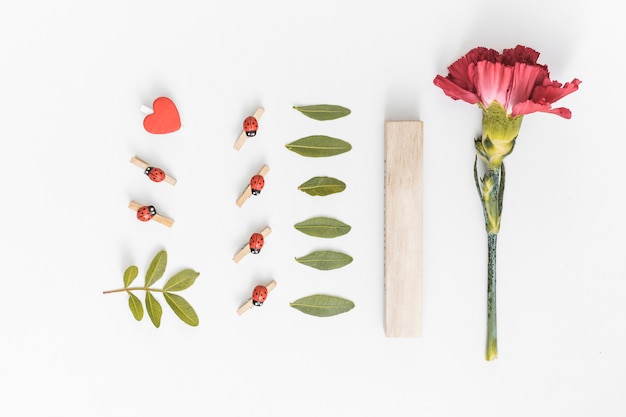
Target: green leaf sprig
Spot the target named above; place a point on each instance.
(319, 146)
(178, 282)
(321, 305)
(325, 227)
(322, 186)
(323, 111)
(325, 260)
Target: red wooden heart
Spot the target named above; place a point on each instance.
(165, 118)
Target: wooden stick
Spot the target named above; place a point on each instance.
(403, 228)
(248, 304)
(133, 205)
(246, 249)
(248, 191)
(144, 165)
(243, 137)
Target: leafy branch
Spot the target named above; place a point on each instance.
(177, 282)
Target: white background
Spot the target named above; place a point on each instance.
(74, 75)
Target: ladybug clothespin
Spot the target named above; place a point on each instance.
(250, 126)
(162, 118)
(257, 182)
(254, 245)
(259, 295)
(155, 174)
(146, 213)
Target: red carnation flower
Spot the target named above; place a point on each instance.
(512, 78)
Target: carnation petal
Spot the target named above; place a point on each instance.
(493, 81)
(525, 78)
(553, 91)
(520, 54)
(530, 106)
(452, 90)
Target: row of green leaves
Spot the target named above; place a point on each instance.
(178, 282)
(319, 146)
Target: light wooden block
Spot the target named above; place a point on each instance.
(403, 228)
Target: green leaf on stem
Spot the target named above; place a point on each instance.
(130, 274)
(135, 306)
(157, 268)
(182, 308)
(321, 305)
(323, 111)
(181, 281)
(322, 186)
(319, 146)
(325, 260)
(154, 309)
(325, 227)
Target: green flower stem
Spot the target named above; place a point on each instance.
(491, 189)
(129, 289)
(492, 328)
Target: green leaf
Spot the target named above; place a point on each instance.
(181, 281)
(130, 274)
(135, 306)
(322, 186)
(321, 305)
(323, 111)
(182, 308)
(319, 146)
(323, 227)
(325, 260)
(157, 268)
(154, 309)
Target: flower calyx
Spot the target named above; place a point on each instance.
(499, 134)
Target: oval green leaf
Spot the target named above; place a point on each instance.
(181, 281)
(323, 111)
(321, 305)
(322, 186)
(135, 306)
(154, 309)
(325, 227)
(319, 146)
(325, 260)
(182, 308)
(130, 274)
(157, 268)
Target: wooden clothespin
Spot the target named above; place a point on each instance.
(254, 245)
(250, 126)
(257, 182)
(146, 213)
(259, 295)
(155, 174)
(162, 118)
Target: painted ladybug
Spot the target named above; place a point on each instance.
(250, 126)
(259, 295)
(155, 174)
(146, 213)
(256, 242)
(256, 184)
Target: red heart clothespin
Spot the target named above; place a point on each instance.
(162, 118)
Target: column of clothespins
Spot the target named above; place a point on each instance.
(162, 118)
(253, 188)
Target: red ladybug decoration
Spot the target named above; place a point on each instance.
(250, 126)
(259, 295)
(256, 184)
(155, 174)
(256, 242)
(146, 213)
